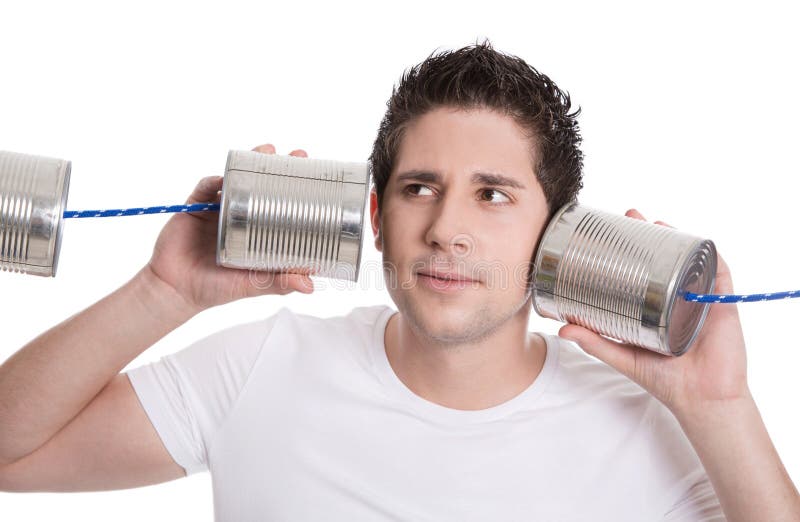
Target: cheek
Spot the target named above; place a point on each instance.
(397, 237)
(400, 224)
(515, 256)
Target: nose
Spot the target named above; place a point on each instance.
(448, 231)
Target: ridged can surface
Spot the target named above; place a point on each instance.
(33, 196)
(623, 278)
(287, 213)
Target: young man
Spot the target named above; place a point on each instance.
(445, 409)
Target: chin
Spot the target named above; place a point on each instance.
(446, 322)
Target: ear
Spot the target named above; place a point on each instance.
(375, 219)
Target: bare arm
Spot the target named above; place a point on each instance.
(45, 384)
(69, 420)
(741, 462)
(111, 444)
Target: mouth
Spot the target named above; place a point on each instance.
(447, 277)
(444, 283)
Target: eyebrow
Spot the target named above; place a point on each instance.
(481, 178)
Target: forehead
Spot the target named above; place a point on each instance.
(455, 140)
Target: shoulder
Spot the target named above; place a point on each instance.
(582, 374)
(589, 389)
(352, 332)
(654, 439)
(360, 318)
(611, 396)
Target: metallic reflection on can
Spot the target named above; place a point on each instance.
(294, 214)
(33, 196)
(623, 278)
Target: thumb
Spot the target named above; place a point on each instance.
(621, 357)
(280, 283)
(301, 283)
(206, 190)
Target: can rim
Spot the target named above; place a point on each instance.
(223, 210)
(61, 205)
(364, 203)
(551, 225)
(712, 268)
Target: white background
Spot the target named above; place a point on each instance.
(689, 114)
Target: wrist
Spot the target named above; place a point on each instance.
(162, 298)
(694, 413)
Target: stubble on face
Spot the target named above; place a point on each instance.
(478, 324)
(458, 141)
(448, 326)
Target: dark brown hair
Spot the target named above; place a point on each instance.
(478, 76)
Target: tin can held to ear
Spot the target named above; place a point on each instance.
(33, 196)
(292, 214)
(623, 278)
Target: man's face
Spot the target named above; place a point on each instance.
(449, 220)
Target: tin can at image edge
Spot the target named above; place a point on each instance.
(287, 213)
(623, 278)
(33, 196)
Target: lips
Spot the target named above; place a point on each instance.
(447, 276)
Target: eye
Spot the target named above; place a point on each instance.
(489, 190)
(409, 189)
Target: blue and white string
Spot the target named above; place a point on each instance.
(138, 211)
(203, 207)
(714, 298)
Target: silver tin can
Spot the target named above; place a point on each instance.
(292, 214)
(623, 278)
(33, 196)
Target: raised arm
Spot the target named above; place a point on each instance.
(706, 389)
(68, 419)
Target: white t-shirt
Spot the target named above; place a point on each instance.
(300, 418)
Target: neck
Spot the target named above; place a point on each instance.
(470, 376)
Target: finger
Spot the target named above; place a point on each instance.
(635, 214)
(267, 148)
(722, 266)
(206, 191)
(300, 153)
(723, 283)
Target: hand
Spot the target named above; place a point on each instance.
(185, 256)
(714, 369)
